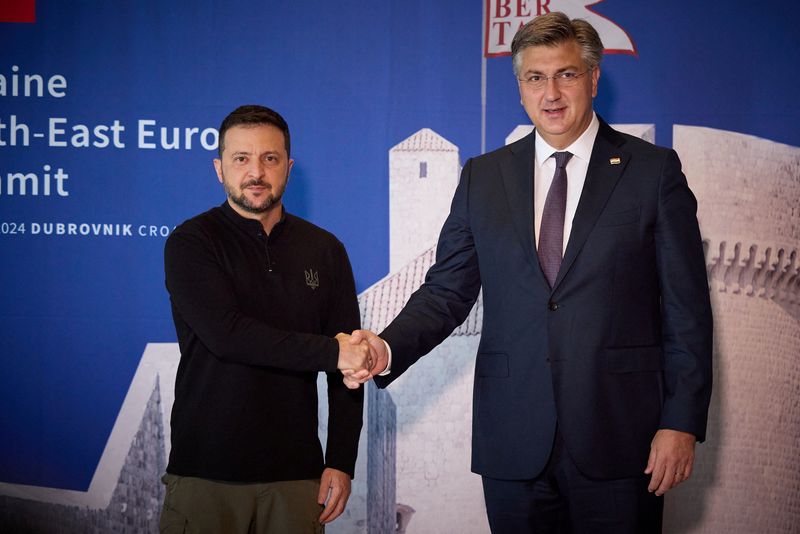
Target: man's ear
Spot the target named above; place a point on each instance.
(289, 169)
(218, 168)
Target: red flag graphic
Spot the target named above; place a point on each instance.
(17, 10)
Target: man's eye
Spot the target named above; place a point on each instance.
(567, 75)
(239, 159)
(535, 78)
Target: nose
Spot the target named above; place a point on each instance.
(256, 167)
(552, 91)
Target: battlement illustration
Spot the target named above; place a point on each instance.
(767, 274)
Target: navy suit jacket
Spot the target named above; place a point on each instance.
(618, 348)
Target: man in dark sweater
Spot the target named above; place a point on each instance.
(259, 299)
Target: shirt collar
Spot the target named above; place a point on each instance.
(581, 148)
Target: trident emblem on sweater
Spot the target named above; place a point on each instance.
(312, 278)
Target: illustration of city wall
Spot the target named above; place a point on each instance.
(125, 494)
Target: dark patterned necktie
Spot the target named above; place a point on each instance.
(551, 231)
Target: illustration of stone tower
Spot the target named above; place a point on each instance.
(423, 174)
(747, 474)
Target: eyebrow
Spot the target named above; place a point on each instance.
(562, 69)
(246, 153)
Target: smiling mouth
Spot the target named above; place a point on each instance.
(554, 111)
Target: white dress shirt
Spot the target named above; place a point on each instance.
(544, 167)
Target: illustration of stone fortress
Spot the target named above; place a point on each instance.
(415, 449)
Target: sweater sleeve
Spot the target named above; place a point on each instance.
(345, 406)
(206, 311)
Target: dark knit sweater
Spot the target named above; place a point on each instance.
(255, 315)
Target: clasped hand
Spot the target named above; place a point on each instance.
(362, 355)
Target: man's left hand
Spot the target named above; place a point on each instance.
(334, 490)
(671, 459)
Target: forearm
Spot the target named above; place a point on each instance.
(240, 339)
(345, 419)
(450, 290)
(687, 323)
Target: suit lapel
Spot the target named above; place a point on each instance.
(517, 172)
(601, 178)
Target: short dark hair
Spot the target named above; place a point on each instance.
(553, 29)
(253, 115)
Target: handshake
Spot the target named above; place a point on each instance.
(362, 355)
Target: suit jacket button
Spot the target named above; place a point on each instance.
(552, 306)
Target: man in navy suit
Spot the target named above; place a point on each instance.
(593, 374)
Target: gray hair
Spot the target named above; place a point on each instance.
(553, 29)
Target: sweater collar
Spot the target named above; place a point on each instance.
(252, 226)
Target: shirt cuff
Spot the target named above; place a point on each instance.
(389, 360)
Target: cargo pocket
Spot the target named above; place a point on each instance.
(171, 520)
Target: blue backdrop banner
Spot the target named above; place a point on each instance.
(108, 126)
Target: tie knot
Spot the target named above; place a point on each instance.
(562, 158)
